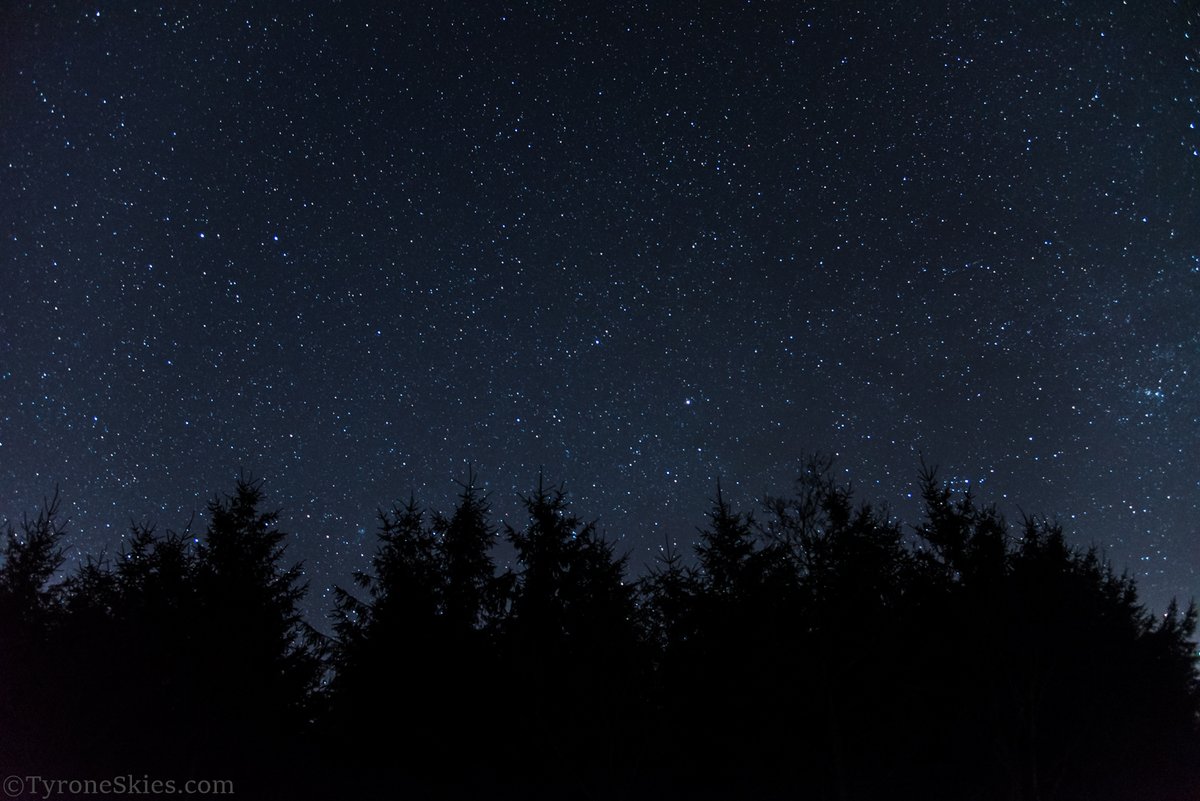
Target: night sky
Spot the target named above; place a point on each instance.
(353, 248)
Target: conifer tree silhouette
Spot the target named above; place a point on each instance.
(710, 683)
(207, 667)
(822, 652)
(384, 654)
(668, 594)
(144, 699)
(726, 552)
(257, 656)
(571, 642)
(404, 589)
(464, 544)
(417, 650)
(571, 593)
(30, 560)
(29, 613)
(467, 662)
(1038, 645)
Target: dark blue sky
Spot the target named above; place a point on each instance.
(354, 247)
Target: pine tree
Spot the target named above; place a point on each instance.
(31, 559)
(726, 552)
(258, 659)
(571, 641)
(30, 614)
(669, 593)
(464, 545)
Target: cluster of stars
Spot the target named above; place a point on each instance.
(355, 250)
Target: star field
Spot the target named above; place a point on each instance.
(353, 248)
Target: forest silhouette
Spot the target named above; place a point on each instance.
(815, 647)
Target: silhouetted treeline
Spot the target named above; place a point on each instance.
(814, 647)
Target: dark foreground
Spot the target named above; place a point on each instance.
(817, 650)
